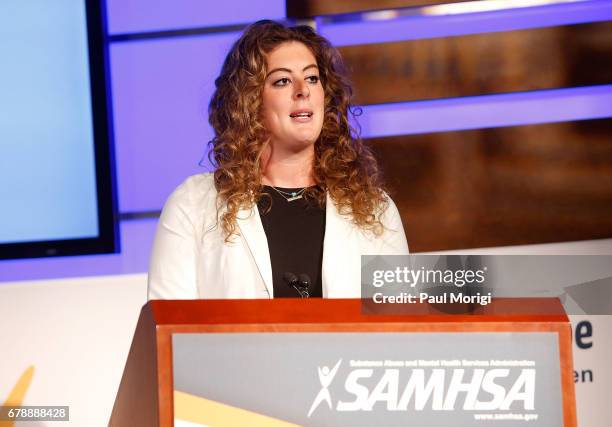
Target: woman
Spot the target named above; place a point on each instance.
(295, 199)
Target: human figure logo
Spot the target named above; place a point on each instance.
(326, 376)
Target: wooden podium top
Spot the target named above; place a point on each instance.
(316, 310)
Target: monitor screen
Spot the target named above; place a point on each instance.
(56, 180)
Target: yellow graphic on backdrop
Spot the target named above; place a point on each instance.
(16, 396)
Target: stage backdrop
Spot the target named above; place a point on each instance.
(492, 124)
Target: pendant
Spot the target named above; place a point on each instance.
(291, 199)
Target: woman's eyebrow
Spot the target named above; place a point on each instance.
(289, 71)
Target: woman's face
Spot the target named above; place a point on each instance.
(293, 98)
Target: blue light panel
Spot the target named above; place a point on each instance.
(354, 30)
(477, 112)
(47, 169)
(135, 16)
(161, 92)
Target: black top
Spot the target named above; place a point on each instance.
(295, 232)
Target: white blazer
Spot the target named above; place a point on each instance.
(191, 260)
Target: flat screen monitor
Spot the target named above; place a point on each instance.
(56, 162)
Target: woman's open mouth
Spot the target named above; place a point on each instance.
(301, 115)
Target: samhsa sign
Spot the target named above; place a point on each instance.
(471, 389)
(377, 379)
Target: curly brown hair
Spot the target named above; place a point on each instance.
(344, 166)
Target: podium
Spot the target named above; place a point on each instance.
(324, 362)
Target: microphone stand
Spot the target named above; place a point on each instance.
(300, 285)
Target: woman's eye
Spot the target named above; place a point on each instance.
(313, 79)
(282, 82)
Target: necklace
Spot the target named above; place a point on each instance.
(290, 196)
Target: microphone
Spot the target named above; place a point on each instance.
(304, 284)
(300, 285)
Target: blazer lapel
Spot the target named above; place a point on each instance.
(333, 249)
(252, 230)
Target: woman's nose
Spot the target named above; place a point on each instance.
(301, 90)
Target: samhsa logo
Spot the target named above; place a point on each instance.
(471, 389)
